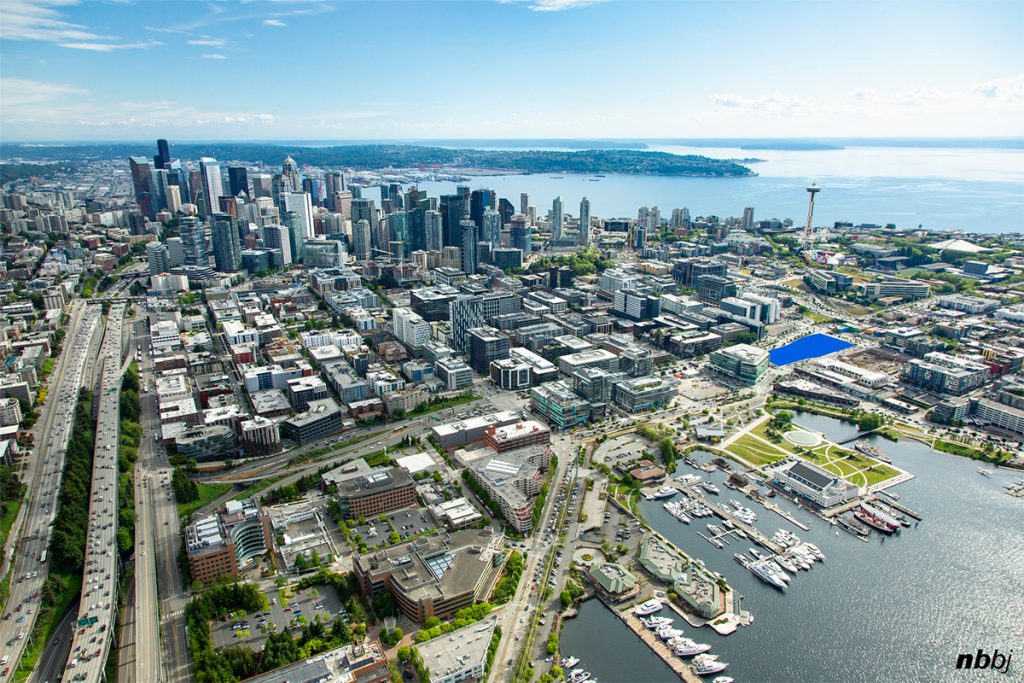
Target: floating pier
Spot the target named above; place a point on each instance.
(652, 641)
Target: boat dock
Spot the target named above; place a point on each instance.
(752, 533)
(661, 649)
(904, 509)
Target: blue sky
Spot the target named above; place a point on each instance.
(291, 69)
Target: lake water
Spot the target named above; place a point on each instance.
(975, 190)
(898, 609)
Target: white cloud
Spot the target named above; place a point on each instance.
(773, 102)
(553, 5)
(42, 20)
(208, 42)
(214, 56)
(19, 92)
(111, 47)
(273, 22)
(1001, 91)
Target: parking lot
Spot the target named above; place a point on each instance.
(405, 523)
(252, 629)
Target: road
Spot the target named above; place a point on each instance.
(42, 479)
(55, 654)
(98, 607)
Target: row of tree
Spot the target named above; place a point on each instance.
(67, 543)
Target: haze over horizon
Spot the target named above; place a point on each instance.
(359, 71)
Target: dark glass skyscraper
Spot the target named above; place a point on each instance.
(227, 252)
(238, 181)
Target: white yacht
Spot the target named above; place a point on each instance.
(663, 492)
(710, 488)
(722, 679)
(685, 647)
(570, 662)
(667, 633)
(655, 623)
(707, 664)
(650, 607)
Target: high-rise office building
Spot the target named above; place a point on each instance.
(584, 238)
(314, 188)
(506, 210)
(453, 208)
(227, 251)
(490, 227)
(213, 186)
(238, 181)
(290, 171)
(398, 227)
(193, 241)
(301, 204)
(157, 255)
(480, 201)
(524, 204)
(140, 168)
(296, 235)
(556, 219)
(278, 237)
(469, 240)
(520, 234)
(361, 240)
(163, 155)
(335, 182)
(748, 218)
(433, 230)
(262, 185)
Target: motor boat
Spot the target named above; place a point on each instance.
(685, 647)
(650, 607)
(706, 664)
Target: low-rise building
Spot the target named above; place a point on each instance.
(455, 434)
(512, 480)
(821, 487)
(744, 363)
(468, 661)
(613, 581)
(455, 515)
(433, 576)
(518, 435)
(224, 542)
(322, 418)
(364, 662)
(559, 406)
(375, 493)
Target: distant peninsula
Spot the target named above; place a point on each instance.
(384, 156)
(792, 146)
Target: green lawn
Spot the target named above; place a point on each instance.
(46, 624)
(258, 486)
(817, 317)
(762, 431)
(207, 493)
(879, 473)
(755, 452)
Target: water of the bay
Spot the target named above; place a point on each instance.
(899, 609)
(974, 190)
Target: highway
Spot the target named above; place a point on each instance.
(98, 605)
(160, 649)
(43, 478)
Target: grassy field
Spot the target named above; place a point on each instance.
(258, 486)
(755, 452)
(207, 493)
(762, 431)
(817, 317)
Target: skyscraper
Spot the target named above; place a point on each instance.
(193, 241)
(556, 219)
(480, 201)
(262, 185)
(290, 171)
(398, 227)
(300, 203)
(227, 252)
(490, 228)
(163, 154)
(524, 204)
(296, 235)
(209, 170)
(469, 240)
(158, 258)
(335, 181)
(433, 229)
(140, 168)
(238, 181)
(748, 218)
(453, 207)
(361, 239)
(520, 234)
(584, 238)
(278, 237)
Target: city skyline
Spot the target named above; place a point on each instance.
(109, 71)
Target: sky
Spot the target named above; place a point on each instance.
(418, 70)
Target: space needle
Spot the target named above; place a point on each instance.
(809, 230)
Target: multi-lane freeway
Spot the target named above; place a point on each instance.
(98, 606)
(43, 479)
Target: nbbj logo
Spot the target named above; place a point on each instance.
(982, 660)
